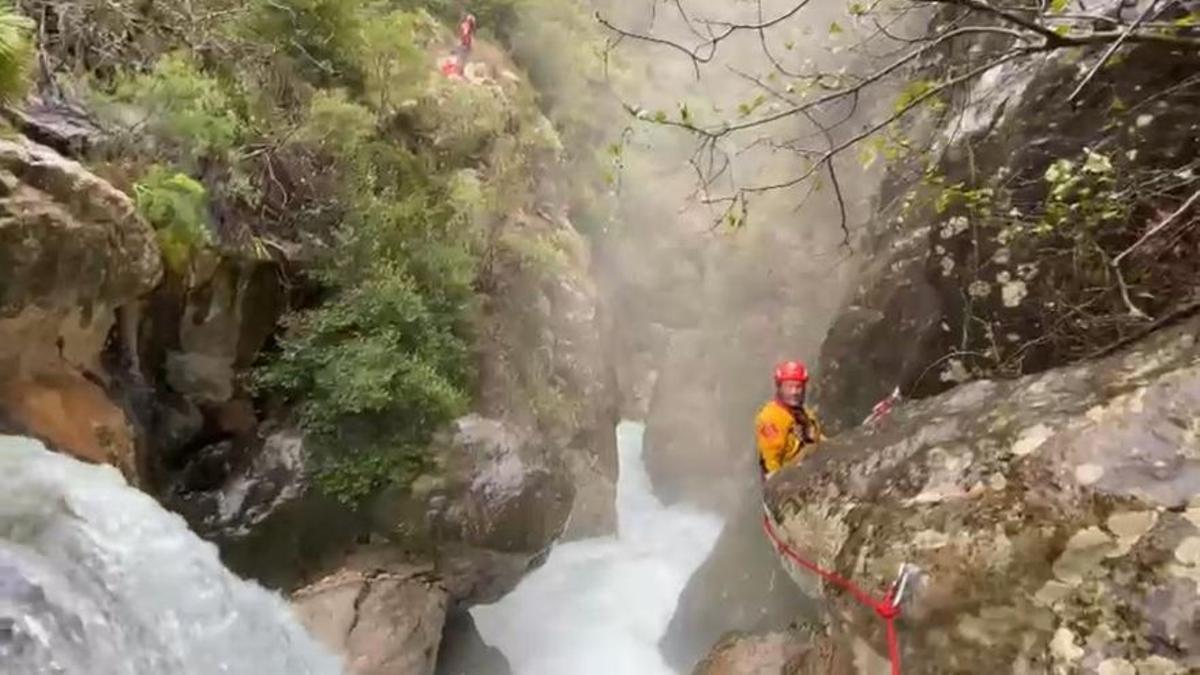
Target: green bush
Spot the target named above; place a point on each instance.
(336, 124)
(16, 53)
(415, 171)
(393, 60)
(177, 206)
(462, 122)
(374, 371)
(322, 37)
(384, 362)
(179, 104)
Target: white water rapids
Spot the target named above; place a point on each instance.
(97, 578)
(599, 606)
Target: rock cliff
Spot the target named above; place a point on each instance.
(1053, 518)
(73, 250)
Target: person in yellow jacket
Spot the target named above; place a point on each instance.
(785, 429)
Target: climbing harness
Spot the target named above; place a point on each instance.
(888, 608)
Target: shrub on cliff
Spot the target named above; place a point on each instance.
(325, 123)
(177, 206)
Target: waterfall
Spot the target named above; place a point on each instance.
(97, 578)
(599, 606)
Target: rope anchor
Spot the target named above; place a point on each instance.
(887, 608)
(901, 583)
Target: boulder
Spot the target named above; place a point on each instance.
(497, 499)
(744, 654)
(383, 622)
(1054, 519)
(740, 587)
(236, 496)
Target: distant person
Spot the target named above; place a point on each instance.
(466, 40)
(784, 427)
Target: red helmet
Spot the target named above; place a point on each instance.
(791, 371)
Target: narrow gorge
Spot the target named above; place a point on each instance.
(427, 336)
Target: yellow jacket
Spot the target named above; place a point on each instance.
(780, 437)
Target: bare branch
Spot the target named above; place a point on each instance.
(1157, 228)
(1051, 37)
(707, 50)
(901, 112)
(1112, 49)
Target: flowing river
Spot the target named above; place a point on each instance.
(599, 606)
(96, 578)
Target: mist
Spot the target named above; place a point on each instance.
(703, 310)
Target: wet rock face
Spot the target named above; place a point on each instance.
(491, 509)
(545, 361)
(72, 414)
(463, 651)
(687, 456)
(765, 654)
(1055, 518)
(216, 328)
(383, 622)
(961, 292)
(741, 586)
(229, 496)
(72, 250)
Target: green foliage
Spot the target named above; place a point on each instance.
(976, 201)
(333, 108)
(177, 206)
(16, 53)
(336, 124)
(1081, 195)
(322, 37)
(746, 108)
(535, 252)
(916, 92)
(889, 143)
(392, 59)
(183, 106)
(500, 18)
(375, 370)
(462, 122)
(383, 363)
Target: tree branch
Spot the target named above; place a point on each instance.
(1157, 228)
(901, 112)
(1112, 49)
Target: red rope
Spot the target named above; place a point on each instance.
(884, 608)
